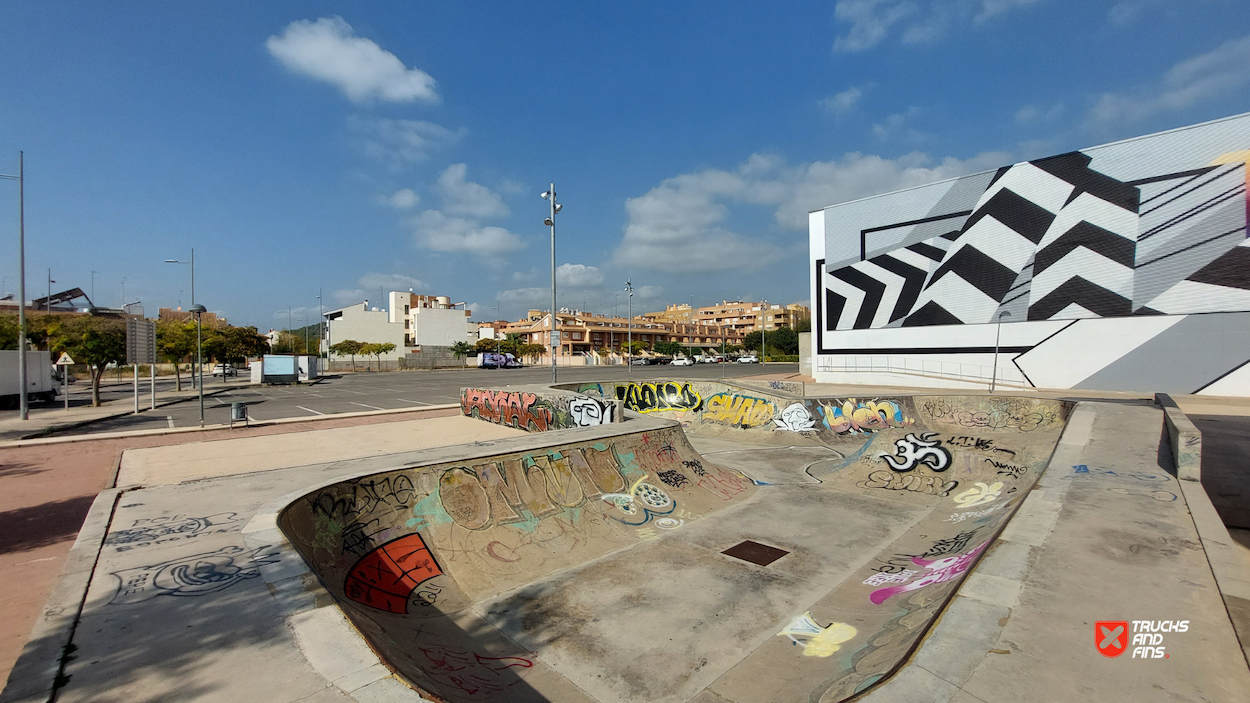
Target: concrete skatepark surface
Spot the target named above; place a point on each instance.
(193, 593)
(606, 558)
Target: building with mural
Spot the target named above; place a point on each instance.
(1119, 267)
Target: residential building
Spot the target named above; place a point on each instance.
(361, 323)
(678, 313)
(747, 317)
(582, 332)
(428, 320)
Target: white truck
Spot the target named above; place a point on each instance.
(40, 385)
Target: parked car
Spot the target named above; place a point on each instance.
(749, 359)
(710, 359)
(224, 370)
(683, 361)
(640, 361)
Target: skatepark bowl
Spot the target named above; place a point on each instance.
(674, 537)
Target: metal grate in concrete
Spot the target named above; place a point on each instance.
(755, 552)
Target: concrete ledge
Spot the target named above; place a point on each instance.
(34, 676)
(1184, 437)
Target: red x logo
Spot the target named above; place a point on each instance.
(1111, 638)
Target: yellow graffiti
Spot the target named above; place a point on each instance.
(738, 410)
(817, 641)
(980, 495)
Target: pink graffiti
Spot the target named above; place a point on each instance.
(940, 571)
(506, 408)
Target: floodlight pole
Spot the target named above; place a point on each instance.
(629, 327)
(997, 336)
(22, 381)
(554, 334)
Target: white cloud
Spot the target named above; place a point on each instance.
(1127, 12)
(464, 197)
(1213, 74)
(679, 226)
(1031, 114)
(401, 142)
(348, 296)
(390, 282)
(402, 199)
(599, 300)
(438, 232)
(841, 103)
(869, 22)
(328, 50)
(578, 275)
(897, 126)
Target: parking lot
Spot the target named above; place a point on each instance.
(363, 391)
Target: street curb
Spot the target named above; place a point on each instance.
(84, 423)
(1184, 438)
(187, 430)
(35, 673)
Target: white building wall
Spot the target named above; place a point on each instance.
(437, 327)
(368, 326)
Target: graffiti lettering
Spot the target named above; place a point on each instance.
(795, 418)
(159, 530)
(1016, 414)
(738, 410)
(588, 412)
(696, 466)
(659, 397)
(854, 417)
(980, 494)
(950, 545)
(470, 672)
(676, 479)
(1009, 470)
(960, 517)
(497, 493)
(519, 410)
(940, 571)
(923, 450)
(195, 575)
(985, 445)
(891, 481)
(883, 577)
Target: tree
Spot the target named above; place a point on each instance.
(377, 349)
(233, 345)
(487, 345)
(752, 341)
(784, 340)
(94, 341)
(804, 325)
(347, 347)
(669, 348)
(634, 347)
(175, 341)
(461, 349)
(530, 350)
(8, 332)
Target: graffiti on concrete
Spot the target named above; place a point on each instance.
(979, 443)
(499, 492)
(795, 418)
(979, 494)
(976, 514)
(470, 672)
(1023, 414)
(344, 512)
(1012, 471)
(855, 416)
(588, 412)
(817, 640)
(892, 481)
(161, 530)
(641, 503)
(696, 466)
(386, 577)
(195, 575)
(659, 397)
(883, 577)
(673, 478)
(520, 410)
(950, 545)
(939, 571)
(738, 410)
(913, 450)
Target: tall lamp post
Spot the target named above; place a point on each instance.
(191, 263)
(550, 197)
(629, 328)
(198, 310)
(21, 281)
(997, 335)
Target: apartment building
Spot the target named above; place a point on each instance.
(428, 319)
(584, 332)
(744, 317)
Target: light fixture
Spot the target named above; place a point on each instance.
(559, 207)
(546, 194)
(548, 222)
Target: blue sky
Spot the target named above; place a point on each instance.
(357, 145)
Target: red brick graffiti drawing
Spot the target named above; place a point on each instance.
(506, 408)
(387, 576)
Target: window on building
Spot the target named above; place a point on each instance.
(405, 309)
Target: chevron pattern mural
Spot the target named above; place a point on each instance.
(1054, 239)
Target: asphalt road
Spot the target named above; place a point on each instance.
(389, 390)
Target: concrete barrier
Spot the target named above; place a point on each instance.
(1184, 438)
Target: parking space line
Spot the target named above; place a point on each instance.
(170, 419)
(417, 402)
(366, 406)
(314, 412)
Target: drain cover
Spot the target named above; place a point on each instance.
(755, 552)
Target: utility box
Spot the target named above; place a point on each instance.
(306, 365)
(278, 368)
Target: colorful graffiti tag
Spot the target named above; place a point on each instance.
(817, 641)
(385, 577)
(588, 412)
(853, 417)
(940, 571)
(659, 397)
(795, 418)
(519, 410)
(738, 410)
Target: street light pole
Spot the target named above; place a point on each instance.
(199, 310)
(23, 404)
(629, 328)
(192, 263)
(554, 336)
(997, 336)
